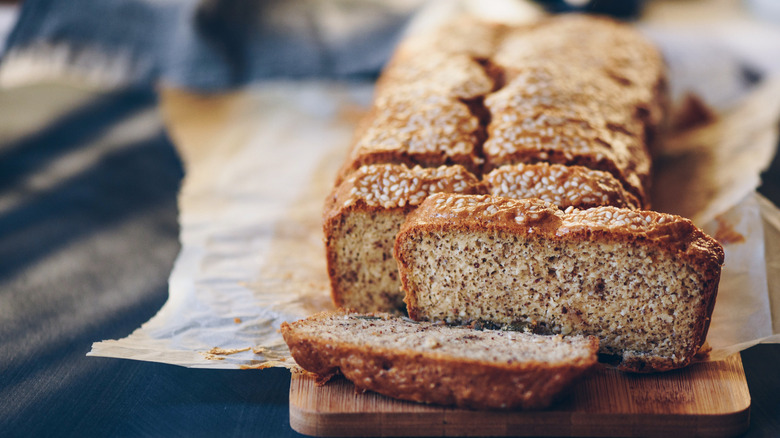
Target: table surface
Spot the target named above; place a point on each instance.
(88, 235)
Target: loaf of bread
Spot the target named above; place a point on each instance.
(564, 186)
(362, 217)
(644, 283)
(434, 363)
(563, 111)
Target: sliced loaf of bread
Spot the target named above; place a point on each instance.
(435, 363)
(643, 282)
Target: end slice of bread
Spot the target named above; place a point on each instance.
(362, 217)
(643, 282)
(435, 363)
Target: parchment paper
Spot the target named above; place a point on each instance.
(260, 162)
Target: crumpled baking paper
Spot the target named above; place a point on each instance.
(260, 162)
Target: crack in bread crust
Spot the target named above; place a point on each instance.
(570, 90)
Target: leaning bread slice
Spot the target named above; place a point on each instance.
(362, 217)
(643, 282)
(434, 363)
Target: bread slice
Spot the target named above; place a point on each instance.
(564, 186)
(643, 282)
(434, 363)
(361, 219)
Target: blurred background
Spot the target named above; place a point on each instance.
(89, 178)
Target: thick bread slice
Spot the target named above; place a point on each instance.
(434, 363)
(643, 282)
(564, 186)
(361, 219)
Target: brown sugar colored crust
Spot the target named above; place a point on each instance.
(361, 219)
(422, 362)
(643, 282)
(564, 186)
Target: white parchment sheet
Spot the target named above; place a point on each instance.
(260, 162)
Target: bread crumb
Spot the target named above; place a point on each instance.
(431, 342)
(226, 351)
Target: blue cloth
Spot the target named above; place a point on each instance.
(208, 45)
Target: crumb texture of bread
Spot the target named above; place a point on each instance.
(361, 220)
(434, 363)
(644, 283)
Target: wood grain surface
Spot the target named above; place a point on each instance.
(708, 399)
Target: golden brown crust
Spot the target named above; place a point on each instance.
(430, 377)
(387, 186)
(425, 128)
(533, 219)
(421, 113)
(537, 217)
(579, 90)
(564, 186)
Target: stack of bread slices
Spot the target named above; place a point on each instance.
(497, 193)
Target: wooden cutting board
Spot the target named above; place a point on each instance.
(707, 399)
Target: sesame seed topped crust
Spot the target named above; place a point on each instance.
(577, 96)
(541, 87)
(463, 35)
(437, 73)
(643, 282)
(564, 186)
(409, 128)
(585, 44)
(544, 116)
(422, 125)
(535, 216)
(433, 363)
(389, 186)
(421, 113)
